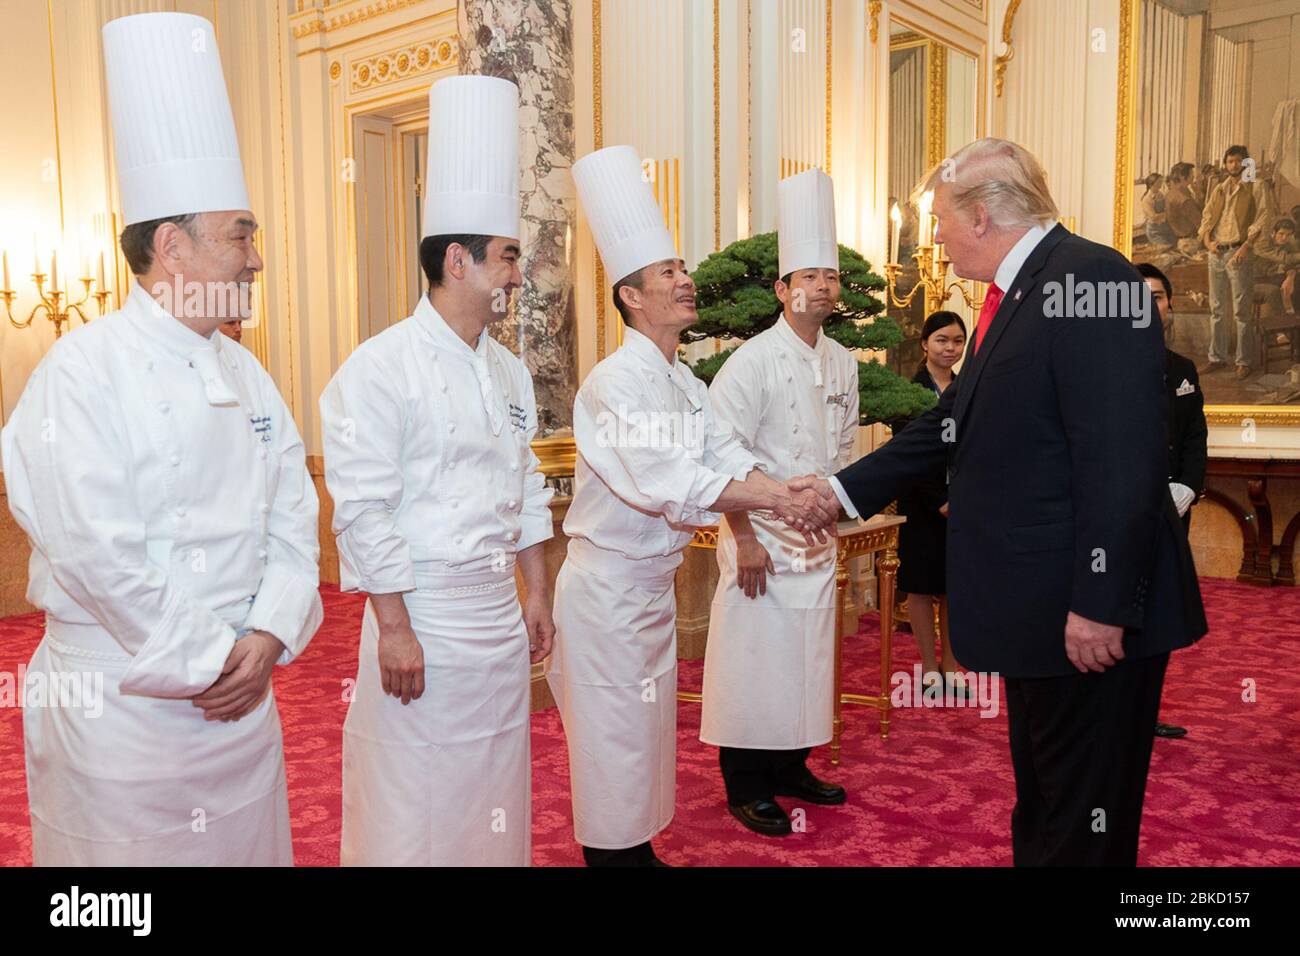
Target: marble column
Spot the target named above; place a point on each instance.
(531, 44)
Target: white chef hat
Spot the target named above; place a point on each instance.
(173, 132)
(625, 220)
(805, 223)
(472, 183)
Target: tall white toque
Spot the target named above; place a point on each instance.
(173, 132)
(805, 223)
(625, 220)
(472, 182)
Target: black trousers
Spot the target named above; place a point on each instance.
(757, 774)
(640, 855)
(1081, 747)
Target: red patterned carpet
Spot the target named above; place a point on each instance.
(937, 793)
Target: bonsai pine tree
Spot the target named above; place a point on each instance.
(735, 300)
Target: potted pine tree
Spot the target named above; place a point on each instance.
(735, 301)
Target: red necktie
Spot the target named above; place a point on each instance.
(992, 299)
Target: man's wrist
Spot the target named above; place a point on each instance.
(271, 644)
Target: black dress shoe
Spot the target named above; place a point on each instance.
(762, 816)
(1169, 730)
(809, 788)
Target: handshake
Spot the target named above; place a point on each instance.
(809, 505)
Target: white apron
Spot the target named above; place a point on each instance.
(769, 665)
(444, 780)
(149, 782)
(614, 678)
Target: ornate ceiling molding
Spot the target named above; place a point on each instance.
(322, 19)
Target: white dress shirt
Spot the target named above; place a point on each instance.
(428, 455)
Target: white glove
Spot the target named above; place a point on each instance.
(1183, 497)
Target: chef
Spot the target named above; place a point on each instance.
(438, 497)
(653, 463)
(791, 395)
(163, 484)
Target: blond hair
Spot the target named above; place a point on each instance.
(1000, 175)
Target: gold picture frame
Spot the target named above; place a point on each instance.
(1234, 415)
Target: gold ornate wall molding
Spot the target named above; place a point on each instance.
(1126, 122)
(936, 107)
(406, 61)
(873, 12)
(598, 128)
(829, 34)
(1000, 63)
(717, 133)
(317, 19)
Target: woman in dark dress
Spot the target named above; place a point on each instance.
(921, 541)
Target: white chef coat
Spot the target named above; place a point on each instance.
(652, 458)
(163, 484)
(769, 663)
(436, 488)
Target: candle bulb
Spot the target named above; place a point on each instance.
(36, 255)
(54, 271)
(5, 256)
(103, 286)
(923, 219)
(896, 233)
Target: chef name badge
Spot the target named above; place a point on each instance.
(518, 417)
(840, 398)
(261, 427)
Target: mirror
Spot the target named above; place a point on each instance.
(933, 111)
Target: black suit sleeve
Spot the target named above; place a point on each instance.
(917, 452)
(1110, 394)
(1194, 439)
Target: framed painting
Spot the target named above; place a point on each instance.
(1208, 190)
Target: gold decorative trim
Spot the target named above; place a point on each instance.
(717, 134)
(558, 456)
(284, 196)
(1125, 127)
(598, 134)
(936, 106)
(402, 63)
(336, 70)
(54, 97)
(258, 339)
(1000, 63)
(873, 11)
(1263, 416)
(829, 4)
(316, 20)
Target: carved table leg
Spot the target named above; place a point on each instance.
(888, 572)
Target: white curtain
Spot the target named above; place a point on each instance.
(1229, 97)
(1162, 69)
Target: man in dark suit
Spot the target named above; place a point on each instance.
(1069, 573)
(1187, 428)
